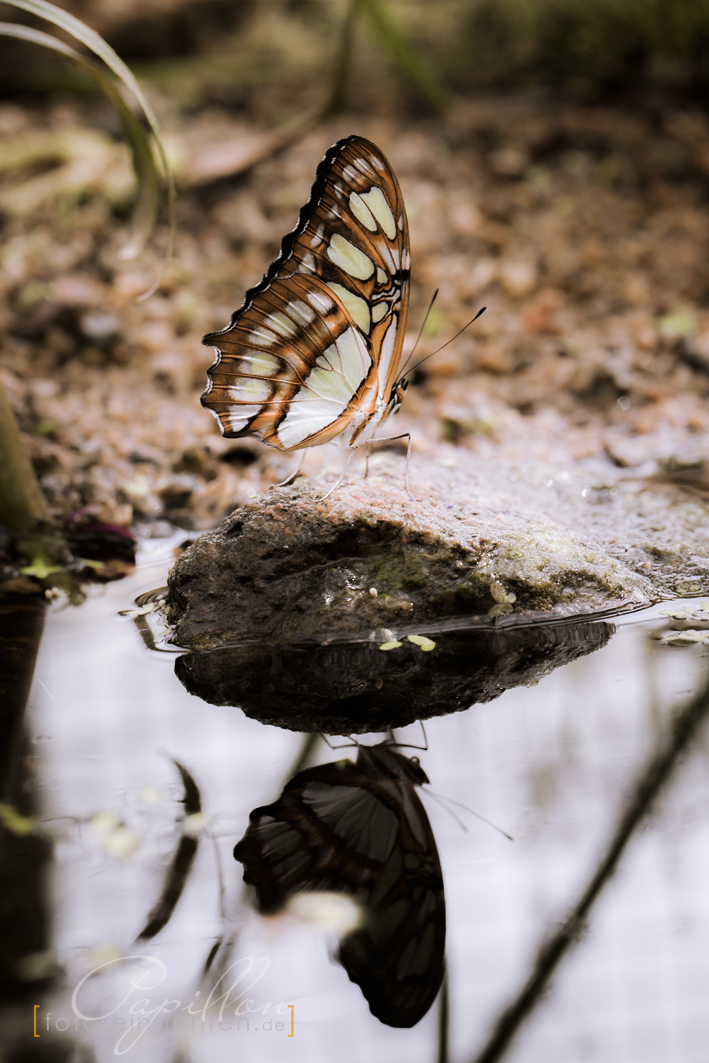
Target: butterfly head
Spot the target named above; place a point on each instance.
(397, 396)
(387, 762)
(415, 771)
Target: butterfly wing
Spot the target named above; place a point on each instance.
(317, 836)
(397, 956)
(361, 830)
(314, 350)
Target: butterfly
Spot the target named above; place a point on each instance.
(313, 352)
(360, 829)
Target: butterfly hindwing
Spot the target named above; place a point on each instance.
(361, 829)
(313, 352)
(289, 846)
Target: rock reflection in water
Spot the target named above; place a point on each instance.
(356, 688)
(360, 829)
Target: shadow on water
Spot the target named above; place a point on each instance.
(24, 854)
(356, 688)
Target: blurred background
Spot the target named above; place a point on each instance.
(553, 156)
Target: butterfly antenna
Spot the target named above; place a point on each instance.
(472, 812)
(423, 326)
(439, 349)
(439, 800)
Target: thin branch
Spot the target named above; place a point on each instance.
(308, 746)
(656, 775)
(343, 63)
(404, 55)
(179, 870)
(237, 155)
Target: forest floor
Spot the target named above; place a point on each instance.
(584, 230)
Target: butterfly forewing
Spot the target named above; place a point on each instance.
(361, 829)
(313, 352)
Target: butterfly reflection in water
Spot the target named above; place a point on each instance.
(360, 829)
(313, 353)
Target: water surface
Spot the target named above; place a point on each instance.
(553, 764)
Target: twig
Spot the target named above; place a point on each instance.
(552, 951)
(343, 63)
(179, 870)
(404, 55)
(236, 156)
(308, 746)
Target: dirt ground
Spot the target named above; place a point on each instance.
(585, 232)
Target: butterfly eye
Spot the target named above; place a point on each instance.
(415, 761)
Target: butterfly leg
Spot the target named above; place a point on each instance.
(340, 478)
(342, 745)
(390, 439)
(366, 460)
(291, 476)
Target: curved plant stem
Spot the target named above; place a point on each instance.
(143, 162)
(126, 80)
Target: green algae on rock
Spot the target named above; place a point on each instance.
(500, 543)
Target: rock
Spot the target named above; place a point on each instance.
(355, 688)
(500, 544)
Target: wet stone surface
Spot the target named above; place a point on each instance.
(498, 543)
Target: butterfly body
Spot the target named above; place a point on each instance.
(361, 829)
(313, 353)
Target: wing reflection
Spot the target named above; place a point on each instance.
(360, 829)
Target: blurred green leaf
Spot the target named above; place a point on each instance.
(13, 821)
(435, 323)
(40, 569)
(676, 324)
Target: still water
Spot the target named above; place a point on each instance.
(555, 765)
